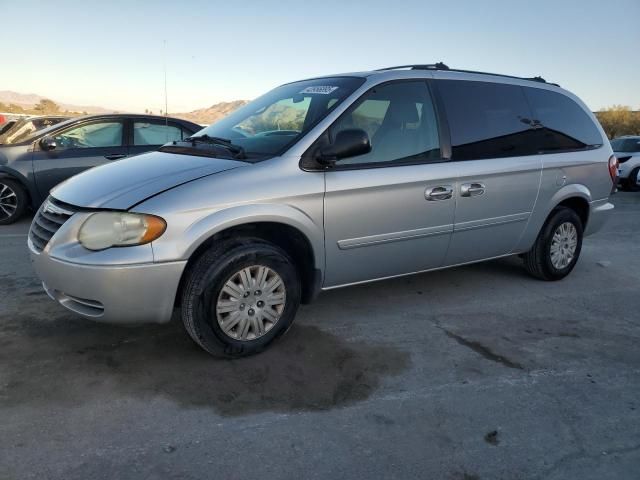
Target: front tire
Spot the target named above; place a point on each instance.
(558, 246)
(13, 201)
(631, 183)
(239, 296)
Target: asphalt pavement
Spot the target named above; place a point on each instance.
(478, 372)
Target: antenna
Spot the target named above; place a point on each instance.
(164, 62)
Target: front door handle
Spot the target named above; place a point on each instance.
(441, 192)
(115, 156)
(472, 189)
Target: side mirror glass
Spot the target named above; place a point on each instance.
(48, 143)
(350, 142)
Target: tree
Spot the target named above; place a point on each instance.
(13, 108)
(46, 106)
(619, 120)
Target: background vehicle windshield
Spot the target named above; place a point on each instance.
(24, 129)
(270, 124)
(627, 145)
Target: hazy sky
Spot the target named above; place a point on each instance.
(110, 53)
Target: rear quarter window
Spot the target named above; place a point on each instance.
(566, 126)
(487, 120)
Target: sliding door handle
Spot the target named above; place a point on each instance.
(471, 189)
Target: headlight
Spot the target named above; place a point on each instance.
(119, 229)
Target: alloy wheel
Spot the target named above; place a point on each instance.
(8, 201)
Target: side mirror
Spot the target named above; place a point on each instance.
(48, 143)
(348, 143)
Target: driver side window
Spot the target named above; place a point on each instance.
(400, 121)
(92, 135)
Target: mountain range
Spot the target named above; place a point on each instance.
(204, 116)
(28, 100)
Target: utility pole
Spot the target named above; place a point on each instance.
(164, 61)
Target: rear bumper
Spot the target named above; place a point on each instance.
(599, 212)
(122, 294)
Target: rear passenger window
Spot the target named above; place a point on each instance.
(153, 133)
(566, 125)
(487, 120)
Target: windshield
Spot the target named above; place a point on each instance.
(272, 123)
(626, 145)
(23, 130)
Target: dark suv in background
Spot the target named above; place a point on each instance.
(36, 163)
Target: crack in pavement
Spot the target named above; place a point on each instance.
(483, 350)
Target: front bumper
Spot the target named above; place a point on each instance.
(122, 294)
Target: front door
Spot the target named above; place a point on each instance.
(78, 148)
(498, 166)
(389, 212)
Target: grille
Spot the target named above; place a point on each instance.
(48, 220)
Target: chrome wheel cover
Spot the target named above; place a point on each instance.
(250, 303)
(563, 245)
(8, 201)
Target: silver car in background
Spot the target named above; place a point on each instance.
(325, 183)
(627, 151)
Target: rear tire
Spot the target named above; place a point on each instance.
(558, 246)
(240, 296)
(13, 201)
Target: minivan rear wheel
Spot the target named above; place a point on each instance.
(239, 296)
(13, 201)
(558, 246)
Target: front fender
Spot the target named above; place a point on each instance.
(626, 167)
(201, 230)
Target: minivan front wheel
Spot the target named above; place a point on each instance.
(239, 296)
(557, 247)
(13, 201)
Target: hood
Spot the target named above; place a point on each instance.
(122, 184)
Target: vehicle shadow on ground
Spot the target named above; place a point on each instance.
(308, 369)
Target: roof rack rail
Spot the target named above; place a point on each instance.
(443, 66)
(428, 66)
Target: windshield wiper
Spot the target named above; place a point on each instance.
(237, 151)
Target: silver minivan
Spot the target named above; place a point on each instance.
(326, 183)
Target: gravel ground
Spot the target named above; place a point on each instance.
(478, 372)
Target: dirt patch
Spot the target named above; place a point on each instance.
(492, 438)
(308, 369)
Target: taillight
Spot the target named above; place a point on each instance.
(613, 168)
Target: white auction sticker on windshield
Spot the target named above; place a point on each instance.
(320, 89)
